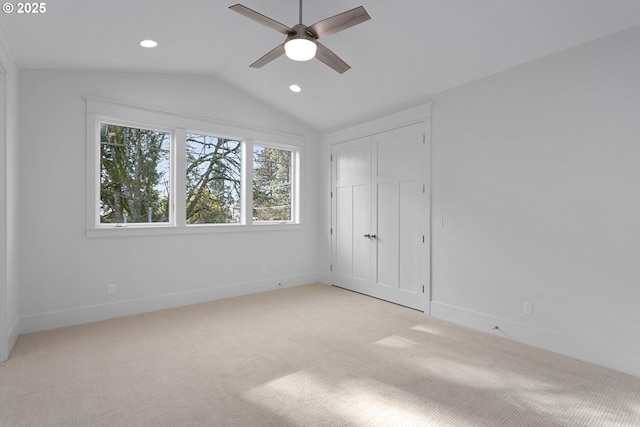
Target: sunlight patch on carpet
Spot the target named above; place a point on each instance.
(397, 341)
(431, 329)
(304, 399)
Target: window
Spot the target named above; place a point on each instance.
(213, 180)
(272, 173)
(134, 175)
(153, 172)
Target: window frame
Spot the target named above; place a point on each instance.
(98, 168)
(295, 181)
(100, 110)
(243, 207)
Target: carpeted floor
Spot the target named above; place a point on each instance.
(308, 356)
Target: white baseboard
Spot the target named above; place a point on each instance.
(12, 337)
(619, 359)
(324, 278)
(94, 313)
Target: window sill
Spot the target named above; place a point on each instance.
(132, 230)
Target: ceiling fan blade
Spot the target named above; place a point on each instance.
(339, 22)
(273, 54)
(325, 55)
(260, 18)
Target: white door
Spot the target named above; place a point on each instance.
(351, 217)
(399, 201)
(379, 218)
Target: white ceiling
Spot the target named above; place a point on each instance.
(409, 50)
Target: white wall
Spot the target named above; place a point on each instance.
(63, 273)
(3, 216)
(536, 173)
(9, 290)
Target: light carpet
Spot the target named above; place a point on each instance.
(313, 355)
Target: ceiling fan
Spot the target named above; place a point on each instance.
(301, 43)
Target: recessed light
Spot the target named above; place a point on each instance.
(295, 88)
(148, 43)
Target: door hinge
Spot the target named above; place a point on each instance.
(332, 194)
(424, 138)
(331, 267)
(423, 238)
(423, 289)
(331, 157)
(424, 188)
(331, 231)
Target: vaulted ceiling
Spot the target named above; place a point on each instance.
(409, 50)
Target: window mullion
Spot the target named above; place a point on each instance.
(295, 186)
(179, 185)
(247, 182)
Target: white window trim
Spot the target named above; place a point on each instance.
(295, 182)
(100, 110)
(95, 174)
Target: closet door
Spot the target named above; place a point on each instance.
(399, 201)
(380, 217)
(351, 216)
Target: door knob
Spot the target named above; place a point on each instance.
(368, 236)
(373, 236)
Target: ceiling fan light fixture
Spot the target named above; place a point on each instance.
(300, 49)
(149, 44)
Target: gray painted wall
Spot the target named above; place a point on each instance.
(9, 286)
(534, 172)
(64, 273)
(536, 176)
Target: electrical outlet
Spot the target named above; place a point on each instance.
(111, 289)
(527, 308)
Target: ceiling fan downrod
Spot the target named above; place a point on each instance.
(300, 14)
